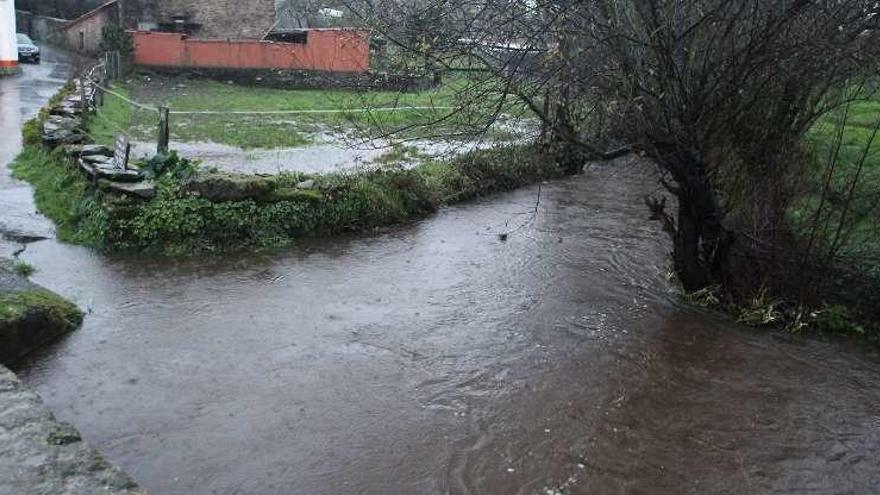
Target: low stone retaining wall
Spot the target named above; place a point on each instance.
(39, 455)
(303, 79)
(64, 129)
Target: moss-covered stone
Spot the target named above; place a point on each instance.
(42, 455)
(18, 304)
(62, 434)
(31, 318)
(295, 194)
(218, 187)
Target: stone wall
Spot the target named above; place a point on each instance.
(331, 50)
(305, 79)
(40, 28)
(84, 34)
(224, 19)
(39, 455)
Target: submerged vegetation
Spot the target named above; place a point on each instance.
(18, 267)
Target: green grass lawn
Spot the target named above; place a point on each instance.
(851, 129)
(279, 130)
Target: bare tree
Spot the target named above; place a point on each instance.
(718, 93)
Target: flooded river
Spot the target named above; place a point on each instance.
(435, 358)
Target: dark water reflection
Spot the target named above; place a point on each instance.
(434, 358)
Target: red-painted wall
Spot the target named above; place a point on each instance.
(335, 50)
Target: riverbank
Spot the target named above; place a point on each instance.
(192, 209)
(175, 206)
(38, 453)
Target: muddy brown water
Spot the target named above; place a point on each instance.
(435, 358)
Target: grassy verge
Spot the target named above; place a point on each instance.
(62, 194)
(176, 222)
(839, 213)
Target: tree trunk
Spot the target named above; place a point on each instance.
(686, 249)
(701, 244)
(566, 152)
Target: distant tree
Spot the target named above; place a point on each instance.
(115, 38)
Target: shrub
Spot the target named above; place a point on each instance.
(176, 222)
(115, 38)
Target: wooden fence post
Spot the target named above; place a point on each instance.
(83, 104)
(164, 134)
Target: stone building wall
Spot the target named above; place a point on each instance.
(224, 19)
(40, 28)
(84, 34)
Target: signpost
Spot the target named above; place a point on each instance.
(121, 152)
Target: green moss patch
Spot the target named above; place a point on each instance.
(18, 305)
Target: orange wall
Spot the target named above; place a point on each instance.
(326, 50)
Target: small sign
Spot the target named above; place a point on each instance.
(121, 152)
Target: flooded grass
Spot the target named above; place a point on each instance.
(268, 130)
